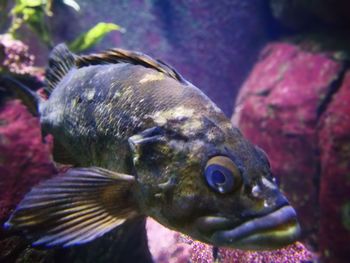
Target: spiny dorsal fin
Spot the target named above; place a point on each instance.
(116, 55)
(61, 60)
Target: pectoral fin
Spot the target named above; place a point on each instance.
(75, 207)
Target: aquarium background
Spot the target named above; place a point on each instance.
(280, 69)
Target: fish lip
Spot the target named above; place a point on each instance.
(274, 230)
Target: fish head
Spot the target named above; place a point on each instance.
(215, 186)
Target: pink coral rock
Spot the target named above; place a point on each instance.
(277, 110)
(24, 155)
(164, 244)
(24, 161)
(334, 140)
(170, 246)
(15, 56)
(295, 105)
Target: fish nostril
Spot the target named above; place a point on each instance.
(264, 204)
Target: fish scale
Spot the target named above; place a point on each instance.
(143, 141)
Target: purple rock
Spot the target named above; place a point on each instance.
(294, 105)
(334, 142)
(170, 246)
(24, 161)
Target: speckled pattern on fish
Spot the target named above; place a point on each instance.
(145, 142)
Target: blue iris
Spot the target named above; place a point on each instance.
(219, 178)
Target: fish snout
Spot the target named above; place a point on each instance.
(272, 230)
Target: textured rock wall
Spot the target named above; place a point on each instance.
(295, 106)
(334, 143)
(177, 248)
(277, 109)
(24, 161)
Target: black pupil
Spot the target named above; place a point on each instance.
(218, 177)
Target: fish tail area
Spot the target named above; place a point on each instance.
(61, 61)
(75, 207)
(29, 97)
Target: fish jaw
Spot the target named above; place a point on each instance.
(274, 230)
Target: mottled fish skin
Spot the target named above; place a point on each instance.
(96, 109)
(162, 130)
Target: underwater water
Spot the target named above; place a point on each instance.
(277, 70)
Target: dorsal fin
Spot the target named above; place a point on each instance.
(117, 55)
(61, 60)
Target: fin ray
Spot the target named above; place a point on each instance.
(77, 206)
(73, 211)
(117, 55)
(61, 60)
(80, 234)
(94, 232)
(66, 233)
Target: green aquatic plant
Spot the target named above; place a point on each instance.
(35, 15)
(32, 13)
(93, 36)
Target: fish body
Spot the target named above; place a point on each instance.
(96, 109)
(146, 142)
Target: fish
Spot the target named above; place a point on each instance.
(142, 141)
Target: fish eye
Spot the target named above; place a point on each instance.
(222, 175)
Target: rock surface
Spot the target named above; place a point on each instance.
(24, 161)
(287, 106)
(181, 249)
(334, 143)
(277, 110)
(22, 151)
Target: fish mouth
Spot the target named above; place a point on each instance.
(274, 230)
